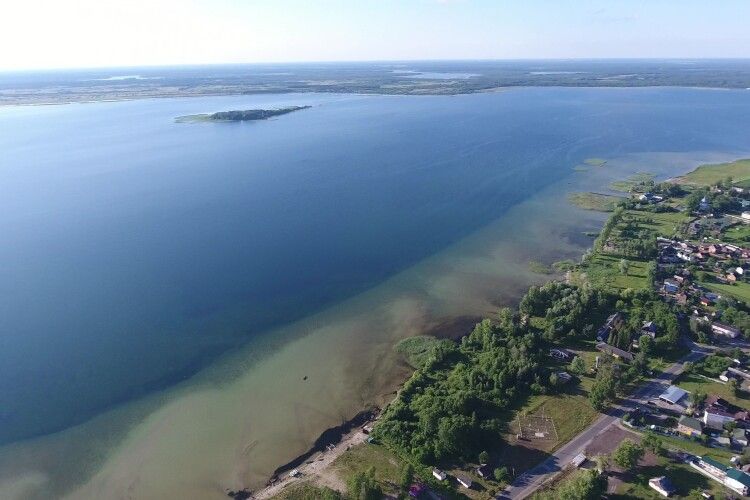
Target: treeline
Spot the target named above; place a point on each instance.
(253, 114)
(449, 408)
(453, 404)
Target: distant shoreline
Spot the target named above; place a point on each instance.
(167, 94)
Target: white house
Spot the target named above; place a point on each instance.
(439, 475)
(716, 417)
(464, 480)
(725, 330)
(662, 484)
(746, 215)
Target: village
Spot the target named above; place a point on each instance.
(671, 347)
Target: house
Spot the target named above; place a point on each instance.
(726, 376)
(560, 354)
(718, 411)
(578, 460)
(671, 286)
(715, 417)
(681, 298)
(730, 477)
(614, 351)
(713, 467)
(673, 395)
(685, 255)
(739, 438)
(439, 475)
(731, 278)
(564, 377)
(725, 330)
(746, 215)
(648, 328)
(662, 484)
(417, 490)
(484, 471)
(738, 372)
(614, 322)
(464, 480)
(689, 426)
(738, 480)
(704, 205)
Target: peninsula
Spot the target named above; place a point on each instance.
(239, 115)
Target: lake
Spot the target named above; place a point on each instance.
(168, 285)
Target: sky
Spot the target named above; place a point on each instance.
(37, 34)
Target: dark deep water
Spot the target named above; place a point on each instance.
(136, 250)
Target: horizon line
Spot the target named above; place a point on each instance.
(366, 61)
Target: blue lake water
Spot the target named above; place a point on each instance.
(127, 237)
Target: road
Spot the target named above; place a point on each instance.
(531, 480)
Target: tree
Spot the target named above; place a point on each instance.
(484, 458)
(697, 397)
(362, 486)
(407, 476)
(602, 462)
(735, 386)
(578, 365)
(627, 454)
(604, 389)
(653, 443)
(501, 474)
(646, 344)
(624, 266)
(583, 485)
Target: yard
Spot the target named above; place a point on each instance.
(695, 382)
(739, 290)
(602, 268)
(738, 234)
(706, 175)
(634, 484)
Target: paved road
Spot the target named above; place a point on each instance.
(528, 482)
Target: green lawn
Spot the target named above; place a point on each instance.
(694, 382)
(605, 269)
(739, 290)
(302, 491)
(634, 180)
(684, 478)
(664, 224)
(706, 175)
(594, 201)
(739, 234)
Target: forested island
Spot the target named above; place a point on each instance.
(239, 115)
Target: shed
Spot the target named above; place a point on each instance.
(673, 394)
(464, 480)
(578, 460)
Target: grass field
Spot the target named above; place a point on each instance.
(594, 201)
(606, 269)
(706, 175)
(740, 290)
(692, 383)
(304, 491)
(634, 180)
(739, 234)
(685, 478)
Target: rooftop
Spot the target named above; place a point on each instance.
(673, 394)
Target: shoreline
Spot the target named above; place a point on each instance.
(277, 484)
(244, 93)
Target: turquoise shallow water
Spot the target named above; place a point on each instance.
(137, 251)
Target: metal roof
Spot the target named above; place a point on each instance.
(673, 394)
